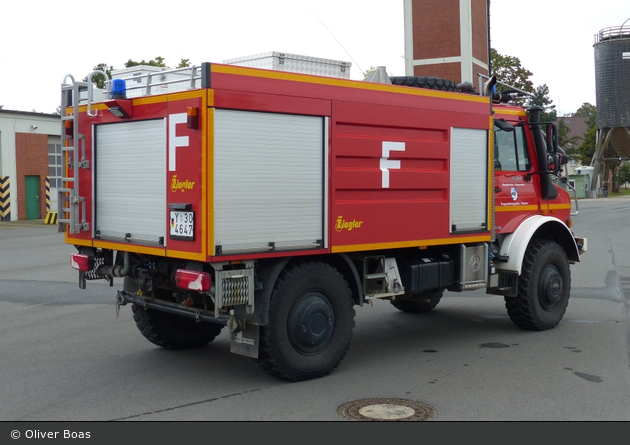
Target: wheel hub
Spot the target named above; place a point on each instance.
(311, 323)
(550, 287)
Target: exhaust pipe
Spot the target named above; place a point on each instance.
(117, 270)
(488, 88)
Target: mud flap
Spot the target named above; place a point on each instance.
(245, 341)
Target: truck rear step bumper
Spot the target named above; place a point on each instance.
(124, 298)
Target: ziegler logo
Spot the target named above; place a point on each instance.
(176, 185)
(342, 224)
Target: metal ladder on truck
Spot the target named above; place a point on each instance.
(70, 204)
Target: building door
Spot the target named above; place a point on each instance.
(32, 197)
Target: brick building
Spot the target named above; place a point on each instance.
(577, 129)
(447, 39)
(30, 164)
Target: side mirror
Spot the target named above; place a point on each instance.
(552, 138)
(555, 161)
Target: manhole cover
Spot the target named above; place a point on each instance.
(387, 410)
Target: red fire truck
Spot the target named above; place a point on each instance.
(273, 203)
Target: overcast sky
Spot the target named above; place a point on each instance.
(43, 40)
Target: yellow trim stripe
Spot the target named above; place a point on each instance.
(420, 244)
(210, 196)
(510, 112)
(186, 255)
(158, 251)
(515, 208)
(281, 75)
(147, 100)
(559, 206)
(76, 242)
(490, 171)
(204, 177)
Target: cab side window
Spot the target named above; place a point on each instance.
(510, 150)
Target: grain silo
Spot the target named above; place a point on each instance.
(612, 76)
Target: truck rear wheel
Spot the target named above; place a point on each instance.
(173, 331)
(431, 83)
(543, 288)
(418, 303)
(311, 317)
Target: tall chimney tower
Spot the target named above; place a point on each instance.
(447, 39)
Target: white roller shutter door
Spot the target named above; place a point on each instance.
(469, 173)
(268, 181)
(130, 182)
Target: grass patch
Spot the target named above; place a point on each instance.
(622, 192)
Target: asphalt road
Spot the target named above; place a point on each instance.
(66, 356)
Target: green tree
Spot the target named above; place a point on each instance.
(184, 63)
(624, 174)
(98, 79)
(541, 98)
(508, 69)
(587, 149)
(158, 61)
(589, 111)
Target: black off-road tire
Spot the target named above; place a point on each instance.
(543, 288)
(311, 318)
(173, 331)
(418, 303)
(431, 83)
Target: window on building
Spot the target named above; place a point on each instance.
(55, 165)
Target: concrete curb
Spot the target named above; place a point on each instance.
(24, 223)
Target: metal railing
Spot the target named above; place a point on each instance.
(188, 75)
(614, 32)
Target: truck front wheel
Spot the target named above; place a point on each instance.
(311, 317)
(543, 288)
(173, 331)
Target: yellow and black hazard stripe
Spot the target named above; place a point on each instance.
(51, 218)
(5, 199)
(47, 194)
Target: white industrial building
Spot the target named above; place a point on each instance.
(30, 164)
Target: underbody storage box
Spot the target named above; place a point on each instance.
(425, 274)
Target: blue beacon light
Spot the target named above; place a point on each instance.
(119, 89)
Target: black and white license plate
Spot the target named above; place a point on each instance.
(182, 225)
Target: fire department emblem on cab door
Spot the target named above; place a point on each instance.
(514, 193)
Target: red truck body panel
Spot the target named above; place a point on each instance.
(362, 214)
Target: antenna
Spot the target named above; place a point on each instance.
(333, 36)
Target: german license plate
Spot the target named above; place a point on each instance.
(182, 225)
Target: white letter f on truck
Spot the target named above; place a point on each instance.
(386, 163)
(175, 141)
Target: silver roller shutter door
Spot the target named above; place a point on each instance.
(268, 181)
(469, 170)
(131, 181)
